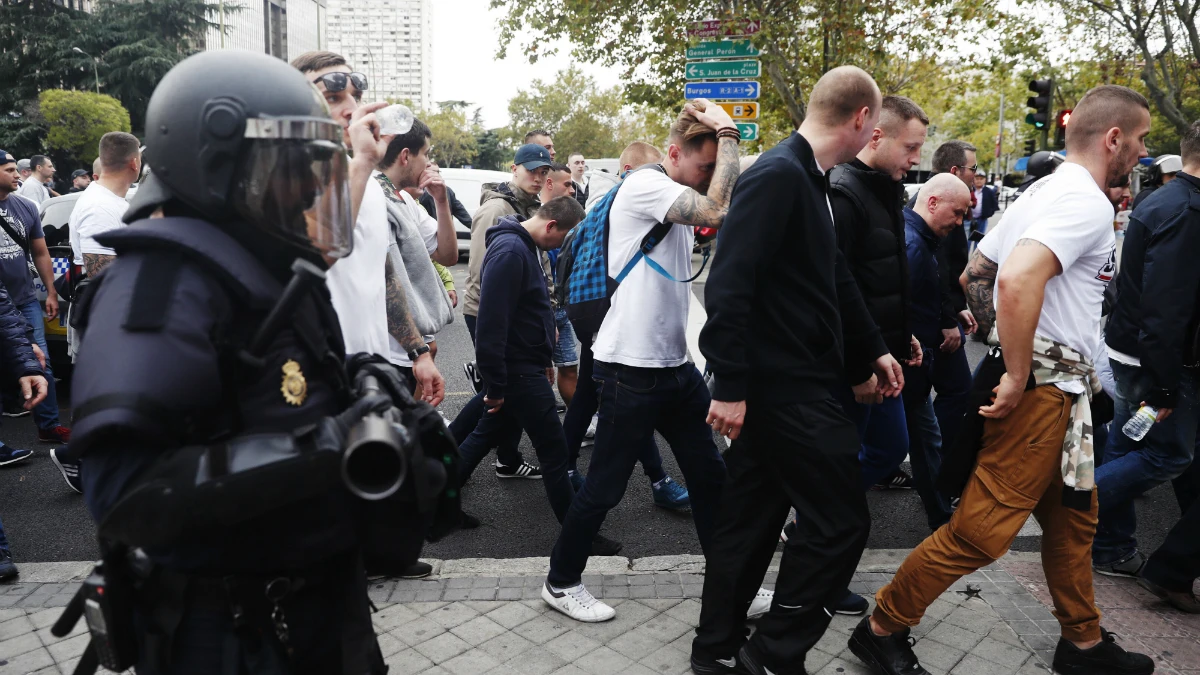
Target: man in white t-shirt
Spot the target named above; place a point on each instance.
(101, 206)
(641, 348)
(1055, 254)
(35, 188)
(356, 282)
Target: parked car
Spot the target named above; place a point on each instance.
(468, 187)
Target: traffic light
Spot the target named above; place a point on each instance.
(1060, 128)
(1040, 117)
(1030, 147)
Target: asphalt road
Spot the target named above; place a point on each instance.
(45, 521)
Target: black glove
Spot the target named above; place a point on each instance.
(389, 378)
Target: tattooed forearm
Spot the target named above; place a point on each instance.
(979, 283)
(693, 208)
(399, 317)
(95, 263)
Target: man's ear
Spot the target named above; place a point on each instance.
(551, 225)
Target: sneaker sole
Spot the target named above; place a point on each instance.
(61, 470)
(550, 600)
(1090, 669)
(18, 459)
(16, 414)
(1113, 573)
(511, 475)
(718, 669)
(854, 613)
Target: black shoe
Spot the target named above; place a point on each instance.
(897, 481)
(69, 470)
(8, 570)
(522, 470)
(473, 376)
(1183, 601)
(417, 570)
(749, 663)
(891, 655)
(469, 522)
(708, 666)
(853, 604)
(602, 545)
(1129, 568)
(1106, 658)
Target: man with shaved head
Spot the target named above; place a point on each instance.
(785, 315)
(1049, 261)
(636, 155)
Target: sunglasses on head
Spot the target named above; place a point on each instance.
(335, 82)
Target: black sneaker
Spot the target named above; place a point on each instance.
(897, 481)
(602, 545)
(749, 662)
(417, 570)
(710, 666)
(69, 470)
(522, 470)
(473, 376)
(891, 655)
(1129, 567)
(1106, 658)
(853, 604)
(8, 570)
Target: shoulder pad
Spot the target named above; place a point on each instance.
(206, 244)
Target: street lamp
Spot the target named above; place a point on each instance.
(95, 69)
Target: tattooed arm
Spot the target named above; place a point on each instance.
(979, 282)
(399, 317)
(95, 263)
(693, 208)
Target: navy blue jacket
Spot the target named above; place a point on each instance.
(15, 335)
(991, 203)
(1155, 317)
(514, 333)
(925, 313)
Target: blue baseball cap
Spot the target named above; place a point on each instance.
(532, 156)
(5, 157)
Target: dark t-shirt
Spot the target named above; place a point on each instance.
(22, 216)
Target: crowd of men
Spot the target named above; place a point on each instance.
(835, 342)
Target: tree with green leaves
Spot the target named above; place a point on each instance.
(76, 120)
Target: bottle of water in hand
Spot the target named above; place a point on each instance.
(1139, 425)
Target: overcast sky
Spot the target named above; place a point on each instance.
(465, 37)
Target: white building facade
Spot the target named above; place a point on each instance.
(391, 42)
(281, 28)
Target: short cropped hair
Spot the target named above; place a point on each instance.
(840, 93)
(951, 154)
(117, 148)
(1103, 108)
(535, 133)
(412, 141)
(690, 133)
(638, 154)
(97, 166)
(1189, 145)
(565, 211)
(556, 168)
(310, 62)
(900, 110)
(38, 160)
(573, 155)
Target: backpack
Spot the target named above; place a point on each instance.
(584, 286)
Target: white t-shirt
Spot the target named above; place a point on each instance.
(428, 227)
(97, 211)
(1069, 214)
(356, 282)
(34, 191)
(646, 325)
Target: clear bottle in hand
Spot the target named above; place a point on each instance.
(1139, 425)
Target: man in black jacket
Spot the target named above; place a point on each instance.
(1151, 338)
(867, 196)
(785, 313)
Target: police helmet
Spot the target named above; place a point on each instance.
(1043, 163)
(1164, 165)
(242, 137)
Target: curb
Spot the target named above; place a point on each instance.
(881, 561)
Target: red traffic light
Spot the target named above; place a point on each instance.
(1064, 118)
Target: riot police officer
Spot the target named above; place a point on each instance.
(213, 395)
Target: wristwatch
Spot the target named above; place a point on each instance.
(416, 353)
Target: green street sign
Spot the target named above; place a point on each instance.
(708, 70)
(725, 49)
(749, 130)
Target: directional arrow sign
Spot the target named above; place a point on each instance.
(749, 131)
(723, 49)
(718, 28)
(741, 111)
(735, 90)
(707, 70)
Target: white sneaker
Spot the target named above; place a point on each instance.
(761, 604)
(591, 430)
(445, 420)
(578, 603)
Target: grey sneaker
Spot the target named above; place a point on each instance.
(1128, 567)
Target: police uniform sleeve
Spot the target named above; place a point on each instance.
(14, 339)
(147, 367)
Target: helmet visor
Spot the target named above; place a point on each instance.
(298, 189)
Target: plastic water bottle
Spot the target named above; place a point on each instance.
(394, 120)
(1139, 425)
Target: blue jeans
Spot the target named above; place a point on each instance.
(951, 378)
(925, 452)
(1131, 467)
(45, 414)
(529, 404)
(882, 433)
(634, 402)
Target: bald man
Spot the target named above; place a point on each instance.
(637, 154)
(784, 315)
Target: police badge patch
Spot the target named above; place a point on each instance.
(295, 387)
